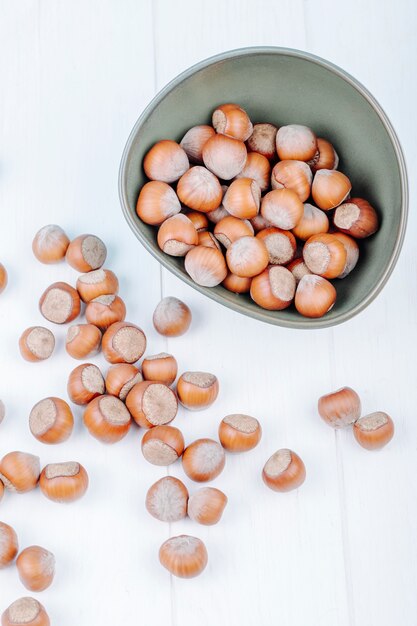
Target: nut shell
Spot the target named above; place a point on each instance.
(105, 311)
(200, 189)
(340, 408)
(19, 471)
(157, 202)
(224, 156)
(247, 256)
(121, 378)
(152, 404)
(274, 288)
(263, 140)
(64, 482)
(172, 317)
(374, 431)
(233, 121)
(3, 278)
(295, 175)
(357, 218)
(284, 471)
(51, 421)
(197, 390)
(162, 445)
(206, 505)
(83, 341)
(242, 199)
(86, 253)
(183, 556)
(50, 244)
(203, 460)
(194, 140)
(282, 208)
(206, 266)
(25, 612)
(36, 344)
(330, 188)
(60, 303)
(161, 368)
(36, 568)
(296, 142)
(239, 433)
(315, 296)
(97, 283)
(9, 545)
(177, 235)
(85, 383)
(166, 161)
(258, 168)
(107, 419)
(123, 342)
(166, 500)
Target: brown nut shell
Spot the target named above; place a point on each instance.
(107, 419)
(239, 433)
(157, 202)
(172, 317)
(86, 253)
(50, 244)
(206, 505)
(36, 568)
(120, 379)
(97, 283)
(19, 471)
(36, 344)
(374, 431)
(105, 310)
(183, 556)
(340, 408)
(9, 545)
(166, 161)
(274, 288)
(123, 342)
(60, 303)
(25, 612)
(284, 471)
(85, 383)
(51, 421)
(166, 500)
(197, 390)
(64, 482)
(152, 404)
(203, 460)
(162, 445)
(83, 341)
(161, 368)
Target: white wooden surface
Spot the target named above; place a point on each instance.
(341, 551)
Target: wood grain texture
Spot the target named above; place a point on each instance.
(341, 550)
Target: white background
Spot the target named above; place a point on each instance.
(74, 76)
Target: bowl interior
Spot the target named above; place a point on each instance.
(283, 87)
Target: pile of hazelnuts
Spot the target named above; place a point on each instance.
(257, 209)
(145, 396)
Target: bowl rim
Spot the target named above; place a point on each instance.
(261, 315)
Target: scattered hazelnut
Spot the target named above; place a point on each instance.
(36, 343)
(183, 556)
(85, 383)
(51, 421)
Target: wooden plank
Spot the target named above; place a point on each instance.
(271, 554)
(74, 78)
(375, 352)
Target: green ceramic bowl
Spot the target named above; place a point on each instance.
(285, 86)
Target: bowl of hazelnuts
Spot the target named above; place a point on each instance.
(271, 181)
